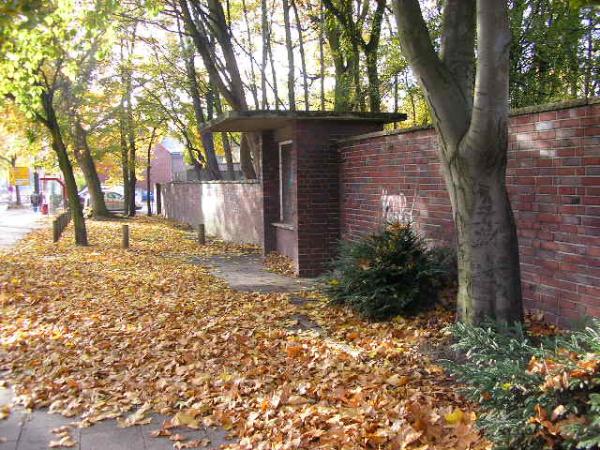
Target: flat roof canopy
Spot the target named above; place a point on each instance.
(271, 120)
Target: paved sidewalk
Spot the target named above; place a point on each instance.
(33, 431)
(247, 273)
(16, 223)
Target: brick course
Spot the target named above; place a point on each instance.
(553, 180)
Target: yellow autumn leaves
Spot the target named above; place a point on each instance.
(100, 332)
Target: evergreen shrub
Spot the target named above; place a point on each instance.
(534, 392)
(388, 274)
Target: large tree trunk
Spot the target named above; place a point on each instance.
(87, 166)
(488, 256)
(472, 124)
(66, 168)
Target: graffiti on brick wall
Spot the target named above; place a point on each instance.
(395, 208)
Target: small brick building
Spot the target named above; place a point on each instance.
(300, 177)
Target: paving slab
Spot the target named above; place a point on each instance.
(247, 273)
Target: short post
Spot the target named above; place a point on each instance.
(158, 199)
(125, 240)
(55, 230)
(201, 234)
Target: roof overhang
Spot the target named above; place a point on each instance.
(272, 120)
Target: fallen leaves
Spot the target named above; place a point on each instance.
(281, 264)
(4, 411)
(64, 438)
(101, 332)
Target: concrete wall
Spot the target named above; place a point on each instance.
(229, 210)
(554, 184)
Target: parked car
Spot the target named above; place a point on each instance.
(115, 202)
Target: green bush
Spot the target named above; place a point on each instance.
(534, 392)
(387, 274)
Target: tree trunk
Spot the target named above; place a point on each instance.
(290, 54)
(233, 89)
(124, 165)
(131, 157)
(148, 167)
(302, 56)
(263, 64)
(66, 168)
(277, 100)
(13, 163)
(488, 256)
(373, 77)
(207, 138)
(87, 166)
(322, 57)
(225, 138)
(228, 156)
(251, 47)
(472, 124)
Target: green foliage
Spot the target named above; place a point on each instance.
(534, 392)
(386, 274)
(550, 58)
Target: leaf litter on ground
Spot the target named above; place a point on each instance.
(100, 332)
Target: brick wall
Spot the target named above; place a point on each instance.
(554, 184)
(318, 193)
(229, 210)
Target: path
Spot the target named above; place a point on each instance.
(247, 273)
(16, 223)
(33, 431)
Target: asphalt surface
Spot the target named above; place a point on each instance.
(16, 223)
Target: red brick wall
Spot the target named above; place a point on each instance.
(230, 210)
(554, 183)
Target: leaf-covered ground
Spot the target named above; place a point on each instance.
(101, 332)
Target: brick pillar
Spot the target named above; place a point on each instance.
(270, 186)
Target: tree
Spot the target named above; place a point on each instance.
(74, 102)
(469, 104)
(353, 28)
(203, 24)
(548, 59)
(39, 49)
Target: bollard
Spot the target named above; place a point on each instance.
(125, 240)
(55, 231)
(201, 234)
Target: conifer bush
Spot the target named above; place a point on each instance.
(387, 274)
(534, 392)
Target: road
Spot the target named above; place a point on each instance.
(16, 223)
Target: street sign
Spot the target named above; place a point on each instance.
(19, 176)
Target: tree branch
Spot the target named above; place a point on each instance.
(458, 43)
(490, 109)
(449, 110)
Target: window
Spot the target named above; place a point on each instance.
(286, 183)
